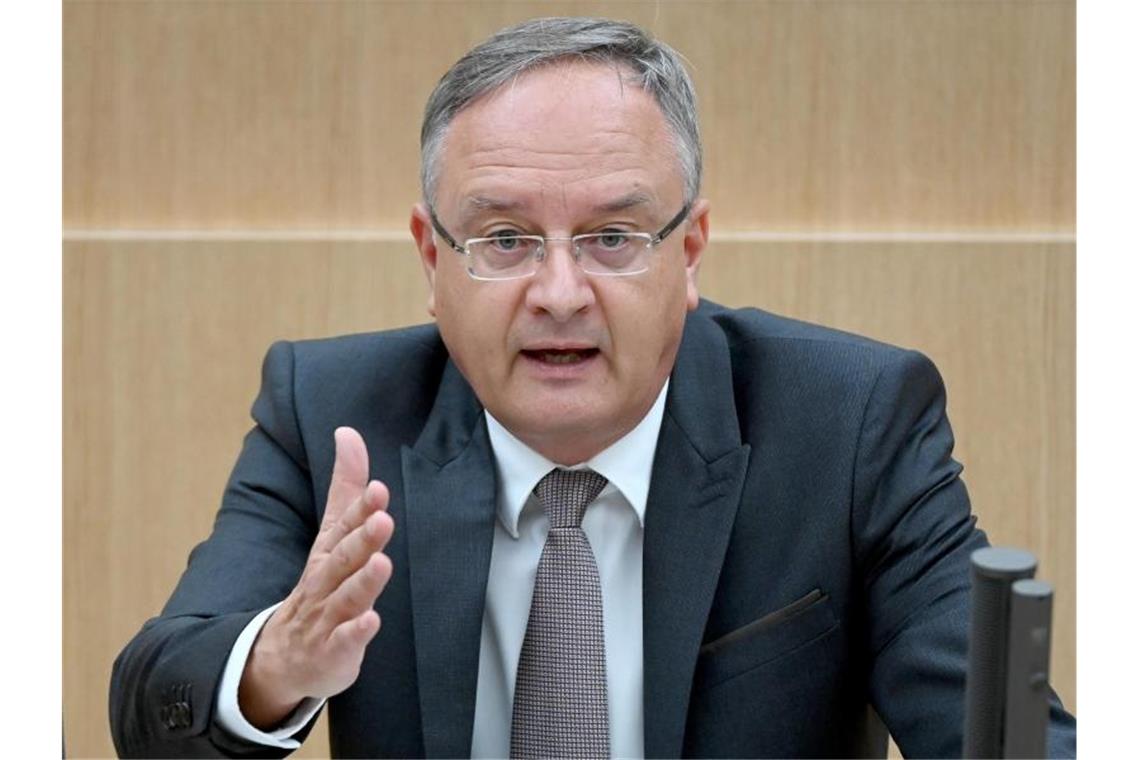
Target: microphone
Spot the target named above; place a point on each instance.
(1007, 683)
(1027, 685)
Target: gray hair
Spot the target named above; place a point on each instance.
(658, 69)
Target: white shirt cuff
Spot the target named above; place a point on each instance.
(229, 713)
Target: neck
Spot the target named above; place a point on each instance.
(568, 451)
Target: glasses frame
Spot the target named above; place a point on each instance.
(540, 254)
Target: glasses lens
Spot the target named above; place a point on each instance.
(614, 252)
(504, 256)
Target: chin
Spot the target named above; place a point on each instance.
(553, 425)
(563, 426)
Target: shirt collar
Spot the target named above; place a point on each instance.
(627, 464)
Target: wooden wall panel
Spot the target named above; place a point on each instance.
(817, 115)
(163, 342)
(998, 320)
(162, 352)
(822, 115)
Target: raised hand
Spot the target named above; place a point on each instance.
(313, 644)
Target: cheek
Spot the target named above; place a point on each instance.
(474, 319)
(646, 324)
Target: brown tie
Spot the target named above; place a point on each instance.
(560, 707)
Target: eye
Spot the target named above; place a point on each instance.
(611, 239)
(506, 241)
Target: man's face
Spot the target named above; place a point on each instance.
(568, 361)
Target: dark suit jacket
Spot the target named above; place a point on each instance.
(806, 548)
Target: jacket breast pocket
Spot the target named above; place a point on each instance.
(765, 639)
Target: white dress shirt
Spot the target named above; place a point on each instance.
(613, 523)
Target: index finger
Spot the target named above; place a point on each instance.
(333, 531)
(349, 475)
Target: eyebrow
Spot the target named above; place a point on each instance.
(483, 203)
(478, 204)
(636, 198)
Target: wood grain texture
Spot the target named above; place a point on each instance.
(162, 347)
(823, 115)
(999, 322)
(884, 115)
(163, 342)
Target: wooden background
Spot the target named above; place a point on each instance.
(237, 172)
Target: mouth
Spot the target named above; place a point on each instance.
(560, 356)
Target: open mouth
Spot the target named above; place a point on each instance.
(561, 355)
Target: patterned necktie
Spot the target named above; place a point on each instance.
(560, 707)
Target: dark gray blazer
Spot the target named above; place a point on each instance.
(806, 548)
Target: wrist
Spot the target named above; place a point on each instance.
(264, 696)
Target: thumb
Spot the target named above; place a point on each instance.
(350, 471)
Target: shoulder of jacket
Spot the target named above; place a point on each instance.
(764, 346)
(388, 356)
(747, 328)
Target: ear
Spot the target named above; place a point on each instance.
(424, 236)
(696, 238)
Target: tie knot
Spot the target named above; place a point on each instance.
(564, 495)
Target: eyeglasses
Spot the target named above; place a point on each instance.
(510, 257)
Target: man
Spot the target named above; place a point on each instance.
(585, 513)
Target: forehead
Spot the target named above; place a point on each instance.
(563, 132)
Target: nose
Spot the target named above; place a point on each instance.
(560, 288)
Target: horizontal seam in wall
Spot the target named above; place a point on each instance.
(399, 236)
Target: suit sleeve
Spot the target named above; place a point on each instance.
(164, 683)
(913, 534)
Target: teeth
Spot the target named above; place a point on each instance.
(561, 358)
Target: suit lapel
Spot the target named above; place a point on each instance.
(450, 491)
(449, 488)
(698, 475)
